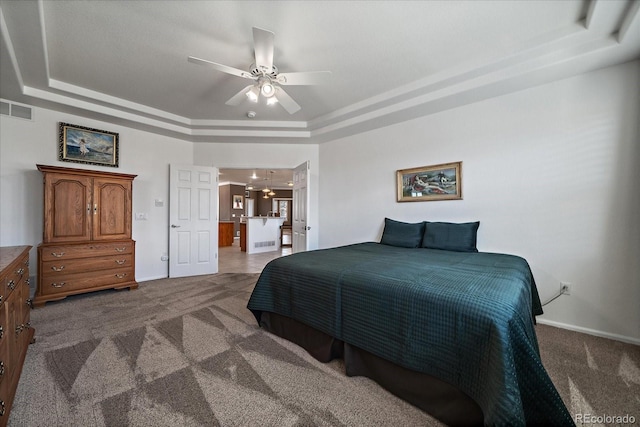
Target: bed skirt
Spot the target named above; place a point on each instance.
(434, 396)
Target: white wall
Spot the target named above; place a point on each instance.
(551, 172)
(268, 156)
(23, 144)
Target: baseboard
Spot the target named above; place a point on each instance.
(597, 333)
(147, 279)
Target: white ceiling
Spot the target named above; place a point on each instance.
(126, 61)
(258, 178)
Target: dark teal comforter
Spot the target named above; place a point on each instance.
(466, 318)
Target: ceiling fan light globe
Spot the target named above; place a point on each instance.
(253, 94)
(267, 90)
(272, 100)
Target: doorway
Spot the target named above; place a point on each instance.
(251, 183)
(283, 207)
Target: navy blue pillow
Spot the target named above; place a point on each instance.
(450, 236)
(402, 234)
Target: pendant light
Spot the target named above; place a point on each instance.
(271, 193)
(265, 189)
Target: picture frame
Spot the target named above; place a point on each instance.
(429, 183)
(81, 144)
(238, 201)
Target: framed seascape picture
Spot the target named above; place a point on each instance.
(238, 201)
(86, 145)
(437, 182)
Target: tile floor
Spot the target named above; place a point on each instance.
(232, 260)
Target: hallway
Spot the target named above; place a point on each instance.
(232, 260)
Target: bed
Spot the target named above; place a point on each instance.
(450, 331)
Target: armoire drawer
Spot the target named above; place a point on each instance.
(81, 265)
(65, 283)
(59, 252)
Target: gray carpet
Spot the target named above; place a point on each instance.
(187, 352)
(598, 378)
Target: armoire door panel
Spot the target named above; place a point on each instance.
(69, 200)
(111, 209)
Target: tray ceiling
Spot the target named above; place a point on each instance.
(126, 61)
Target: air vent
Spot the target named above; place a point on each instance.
(19, 111)
(264, 244)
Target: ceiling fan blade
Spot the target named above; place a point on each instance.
(304, 78)
(239, 97)
(263, 47)
(286, 101)
(220, 67)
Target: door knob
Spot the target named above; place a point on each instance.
(175, 226)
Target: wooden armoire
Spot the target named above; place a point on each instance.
(86, 244)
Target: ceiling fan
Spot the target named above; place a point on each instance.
(267, 79)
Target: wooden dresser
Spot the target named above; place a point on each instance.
(15, 329)
(87, 243)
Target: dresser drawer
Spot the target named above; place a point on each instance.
(5, 394)
(61, 252)
(13, 278)
(81, 265)
(69, 283)
(4, 328)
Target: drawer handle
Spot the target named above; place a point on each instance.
(57, 255)
(120, 249)
(27, 282)
(11, 284)
(58, 285)
(1, 332)
(29, 302)
(121, 275)
(23, 327)
(20, 271)
(54, 268)
(120, 261)
(2, 408)
(1, 368)
(26, 263)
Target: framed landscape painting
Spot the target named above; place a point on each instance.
(86, 145)
(426, 183)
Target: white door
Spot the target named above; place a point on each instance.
(193, 220)
(299, 226)
(250, 207)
